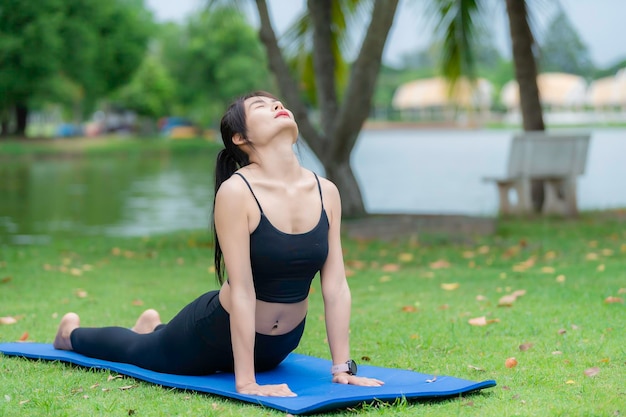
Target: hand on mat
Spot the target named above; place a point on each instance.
(344, 378)
(278, 390)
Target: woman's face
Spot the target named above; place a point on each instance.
(266, 117)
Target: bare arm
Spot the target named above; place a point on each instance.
(231, 224)
(336, 293)
(233, 231)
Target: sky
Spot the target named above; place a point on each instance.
(601, 24)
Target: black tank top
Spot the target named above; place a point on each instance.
(284, 264)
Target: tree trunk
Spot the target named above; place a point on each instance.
(340, 124)
(526, 75)
(4, 125)
(343, 177)
(21, 119)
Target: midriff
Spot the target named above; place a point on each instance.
(271, 318)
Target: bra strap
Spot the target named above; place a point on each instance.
(248, 184)
(319, 187)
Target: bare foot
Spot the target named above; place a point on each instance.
(146, 323)
(69, 322)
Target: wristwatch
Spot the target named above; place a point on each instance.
(349, 367)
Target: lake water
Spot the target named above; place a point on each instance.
(400, 171)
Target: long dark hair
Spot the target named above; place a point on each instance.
(230, 159)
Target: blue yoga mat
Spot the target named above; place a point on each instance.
(307, 376)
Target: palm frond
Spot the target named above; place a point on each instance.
(455, 30)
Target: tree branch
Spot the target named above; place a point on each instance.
(286, 83)
(324, 62)
(363, 80)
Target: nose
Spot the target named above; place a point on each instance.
(278, 105)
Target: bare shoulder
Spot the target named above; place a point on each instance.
(233, 189)
(330, 193)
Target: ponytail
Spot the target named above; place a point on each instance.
(230, 159)
(227, 163)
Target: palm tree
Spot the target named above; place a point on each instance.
(342, 111)
(457, 19)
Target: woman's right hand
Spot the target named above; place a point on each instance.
(277, 390)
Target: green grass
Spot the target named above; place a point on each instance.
(402, 317)
(34, 148)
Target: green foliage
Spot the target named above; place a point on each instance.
(610, 71)
(68, 51)
(150, 92)
(298, 45)
(215, 57)
(456, 30)
(29, 48)
(562, 50)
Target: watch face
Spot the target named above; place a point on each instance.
(352, 367)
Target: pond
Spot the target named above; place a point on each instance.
(399, 171)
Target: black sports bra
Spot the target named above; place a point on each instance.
(284, 264)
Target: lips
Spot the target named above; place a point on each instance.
(282, 113)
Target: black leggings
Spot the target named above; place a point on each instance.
(195, 342)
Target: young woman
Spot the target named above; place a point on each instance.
(276, 225)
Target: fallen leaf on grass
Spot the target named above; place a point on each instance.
(137, 302)
(80, 293)
(613, 300)
(391, 268)
(509, 299)
(481, 321)
(523, 266)
(550, 255)
(23, 337)
(125, 387)
(548, 270)
(450, 286)
(621, 291)
(560, 279)
(570, 382)
(440, 264)
(510, 363)
(4, 280)
(112, 377)
(405, 257)
(476, 368)
(483, 250)
(409, 309)
(592, 371)
(525, 346)
(8, 320)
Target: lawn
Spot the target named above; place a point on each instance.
(429, 304)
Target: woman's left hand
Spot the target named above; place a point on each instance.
(344, 378)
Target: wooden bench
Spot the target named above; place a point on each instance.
(557, 159)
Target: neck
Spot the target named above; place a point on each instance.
(277, 162)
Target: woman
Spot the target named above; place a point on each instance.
(276, 225)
